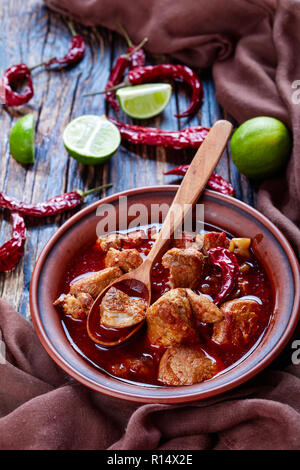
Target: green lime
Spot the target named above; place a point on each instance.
(260, 147)
(144, 101)
(21, 140)
(91, 139)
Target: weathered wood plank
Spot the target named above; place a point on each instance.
(31, 33)
(54, 104)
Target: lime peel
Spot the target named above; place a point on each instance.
(21, 140)
(260, 147)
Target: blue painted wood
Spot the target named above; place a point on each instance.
(30, 33)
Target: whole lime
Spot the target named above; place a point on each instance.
(21, 140)
(260, 147)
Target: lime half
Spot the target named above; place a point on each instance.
(144, 101)
(91, 139)
(21, 140)
(260, 147)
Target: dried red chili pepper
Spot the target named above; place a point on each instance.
(190, 137)
(54, 206)
(219, 184)
(153, 73)
(10, 79)
(227, 262)
(116, 77)
(216, 182)
(117, 74)
(178, 170)
(12, 251)
(138, 58)
(75, 52)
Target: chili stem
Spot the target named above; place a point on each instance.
(139, 46)
(71, 28)
(93, 190)
(40, 64)
(113, 88)
(125, 83)
(126, 36)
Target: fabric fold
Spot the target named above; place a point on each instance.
(42, 408)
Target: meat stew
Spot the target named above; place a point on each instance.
(187, 338)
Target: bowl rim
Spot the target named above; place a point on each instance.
(131, 397)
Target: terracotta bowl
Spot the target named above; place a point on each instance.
(227, 213)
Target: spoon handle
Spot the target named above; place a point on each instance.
(194, 182)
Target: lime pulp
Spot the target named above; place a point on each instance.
(91, 139)
(144, 101)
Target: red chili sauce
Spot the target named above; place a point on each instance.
(121, 361)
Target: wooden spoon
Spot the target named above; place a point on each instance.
(137, 283)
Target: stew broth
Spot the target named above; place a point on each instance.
(120, 361)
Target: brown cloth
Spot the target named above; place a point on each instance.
(42, 408)
(253, 48)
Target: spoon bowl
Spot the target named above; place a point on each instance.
(139, 280)
(131, 285)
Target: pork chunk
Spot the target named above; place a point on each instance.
(76, 306)
(185, 365)
(137, 236)
(214, 240)
(240, 322)
(188, 240)
(127, 260)
(203, 308)
(113, 240)
(117, 240)
(185, 265)
(170, 320)
(118, 310)
(94, 283)
(142, 366)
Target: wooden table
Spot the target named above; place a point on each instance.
(30, 33)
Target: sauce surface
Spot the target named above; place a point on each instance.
(123, 361)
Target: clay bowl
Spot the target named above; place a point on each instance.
(227, 213)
